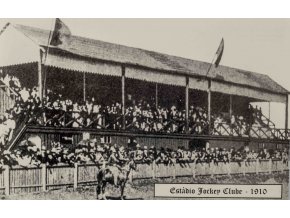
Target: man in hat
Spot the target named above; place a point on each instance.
(114, 158)
(122, 155)
(152, 153)
(146, 155)
(138, 154)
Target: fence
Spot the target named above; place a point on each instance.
(18, 180)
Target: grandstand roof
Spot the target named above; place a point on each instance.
(96, 49)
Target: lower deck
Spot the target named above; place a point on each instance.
(71, 137)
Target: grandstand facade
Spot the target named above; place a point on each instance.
(117, 94)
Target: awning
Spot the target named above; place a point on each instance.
(97, 67)
(195, 83)
(82, 65)
(231, 89)
(155, 76)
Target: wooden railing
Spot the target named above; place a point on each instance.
(16, 180)
(267, 121)
(63, 119)
(254, 131)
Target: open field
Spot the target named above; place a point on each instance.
(143, 189)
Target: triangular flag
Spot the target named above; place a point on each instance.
(60, 34)
(219, 53)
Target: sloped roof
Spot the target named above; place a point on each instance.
(97, 49)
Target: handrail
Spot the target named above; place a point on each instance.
(64, 119)
(268, 120)
(13, 91)
(16, 136)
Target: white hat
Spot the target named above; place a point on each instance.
(122, 148)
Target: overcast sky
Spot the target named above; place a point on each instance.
(261, 45)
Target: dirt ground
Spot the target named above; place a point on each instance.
(144, 189)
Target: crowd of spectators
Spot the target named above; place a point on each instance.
(147, 118)
(57, 111)
(27, 103)
(90, 151)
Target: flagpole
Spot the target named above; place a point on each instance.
(218, 54)
(49, 38)
(46, 54)
(210, 66)
(209, 95)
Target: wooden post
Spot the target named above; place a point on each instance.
(40, 74)
(202, 168)
(43, 177)
(156, 95)
(211, 166)
(153, 170)
(286, 117)
(269, 111)
(228, 166)
(209, 104)
(84, 86)
(194, 169)
(282, 166)
(244, 167)
(186, 105)
(257, 166)
(231, 113)
(231, 106)
(76, 170)
(7, 179)
(174, 171)
(123, 99)
(270, 165)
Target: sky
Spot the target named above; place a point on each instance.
(259, 45)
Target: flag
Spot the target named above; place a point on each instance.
(219, 53)
(60, 34)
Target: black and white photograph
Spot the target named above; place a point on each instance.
(144, 109)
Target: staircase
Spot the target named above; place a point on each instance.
(7, 101)
(17, 135)
(265, 122)
(7, 98)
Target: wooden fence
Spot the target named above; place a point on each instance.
(18, 180)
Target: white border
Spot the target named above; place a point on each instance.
(144, 9)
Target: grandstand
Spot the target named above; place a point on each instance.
(99, 90)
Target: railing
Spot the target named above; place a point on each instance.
(60, 118)
(8, 89)
(254, 131)
(16, 180)
(16, 135)
(267, 121)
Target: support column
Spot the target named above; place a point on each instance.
(40, 74)
(186, 105)
(123, 99)
(156, 95)
(209, 104)
(84, 86)
(231, 106)
(269, 110)
(286, 116)
(43, 176)
(76, 170)
(7, 179)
